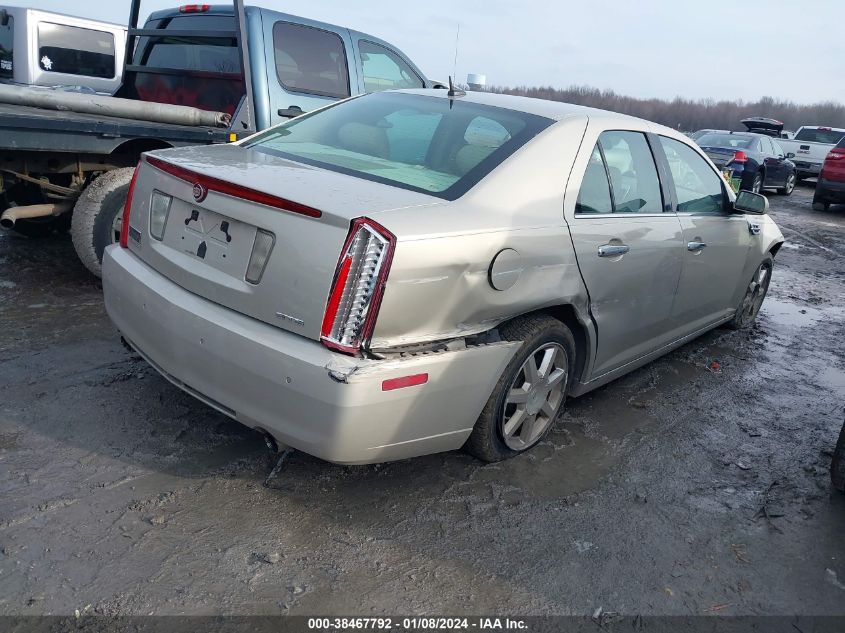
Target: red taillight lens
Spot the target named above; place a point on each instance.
(358, 286)
(835, 156)
(124, 227)
(194, 8)
(740, 157)
(229, 189)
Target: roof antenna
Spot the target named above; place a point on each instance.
(454, 92)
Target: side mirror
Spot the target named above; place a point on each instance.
(790, 154)
(753, 203)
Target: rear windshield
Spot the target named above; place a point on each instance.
(819, 136)
(433, 145)
(725, 140)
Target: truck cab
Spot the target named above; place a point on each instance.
(296, 64)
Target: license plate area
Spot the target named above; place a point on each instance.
(210, 237)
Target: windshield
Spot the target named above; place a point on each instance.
(732, 141)
(811, 135)
(433, 145)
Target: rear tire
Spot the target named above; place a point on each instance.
(96, 214)
(755, 294)
(837, 465)
(526, 403)
(820, 204)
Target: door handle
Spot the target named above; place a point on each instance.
(291, 111)
(696, 246)
(613, 250)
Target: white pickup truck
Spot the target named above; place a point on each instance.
(811, 144)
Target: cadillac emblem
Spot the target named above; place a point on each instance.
(200, 192)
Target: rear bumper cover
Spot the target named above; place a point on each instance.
(830, 189)
(308, 397)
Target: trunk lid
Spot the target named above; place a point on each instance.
(720, 156)
(208, 239)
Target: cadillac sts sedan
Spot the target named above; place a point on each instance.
(410, 272)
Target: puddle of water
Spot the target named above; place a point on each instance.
(831, 378)
(788, 314)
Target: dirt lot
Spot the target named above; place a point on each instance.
(676, 490)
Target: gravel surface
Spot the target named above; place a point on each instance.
(687, 487)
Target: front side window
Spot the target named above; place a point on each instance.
(75, 51)
(384, 69)
(633, 174)
(310, 60)
(433, 145)
(697, 187)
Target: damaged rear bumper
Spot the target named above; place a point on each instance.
(306, 396)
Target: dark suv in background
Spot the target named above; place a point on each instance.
(830, 187)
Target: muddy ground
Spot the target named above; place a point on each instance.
(675, 490)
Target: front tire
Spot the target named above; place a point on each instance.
(97, 216)
(755, 294)
(531, 391)
(788, 186)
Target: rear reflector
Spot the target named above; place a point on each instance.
(404, 381)
(358, 286)
(261, 250)
(127, 207)
(159, 210)
(230, 189)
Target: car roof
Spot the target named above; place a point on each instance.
(555, 110)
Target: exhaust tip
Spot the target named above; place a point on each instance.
(7, 223)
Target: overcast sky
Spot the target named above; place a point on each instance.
(791, 49)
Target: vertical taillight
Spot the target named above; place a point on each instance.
(358, 286)
(124, 227)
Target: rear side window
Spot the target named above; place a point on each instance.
(841, 144)
(630, 165)
(7, 40)
(697, 187)
(594, 196)
(384, 69)
(310, 60)
(75, 51)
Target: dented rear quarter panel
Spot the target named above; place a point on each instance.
(439, 285)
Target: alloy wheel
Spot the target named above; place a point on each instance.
(755, 294)
(535, 396)
(790, 184)
(757, 185)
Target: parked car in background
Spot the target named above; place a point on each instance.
(811, 145)
(190, 82)
(830, 187)
(389, 276)
(757, 161)
(699, 133)
(40, 48)
(764, 125)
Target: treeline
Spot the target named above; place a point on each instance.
(689, 115)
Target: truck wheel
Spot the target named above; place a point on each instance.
(820, 204)
(97, 216)
(531, 391)
(837, 466)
